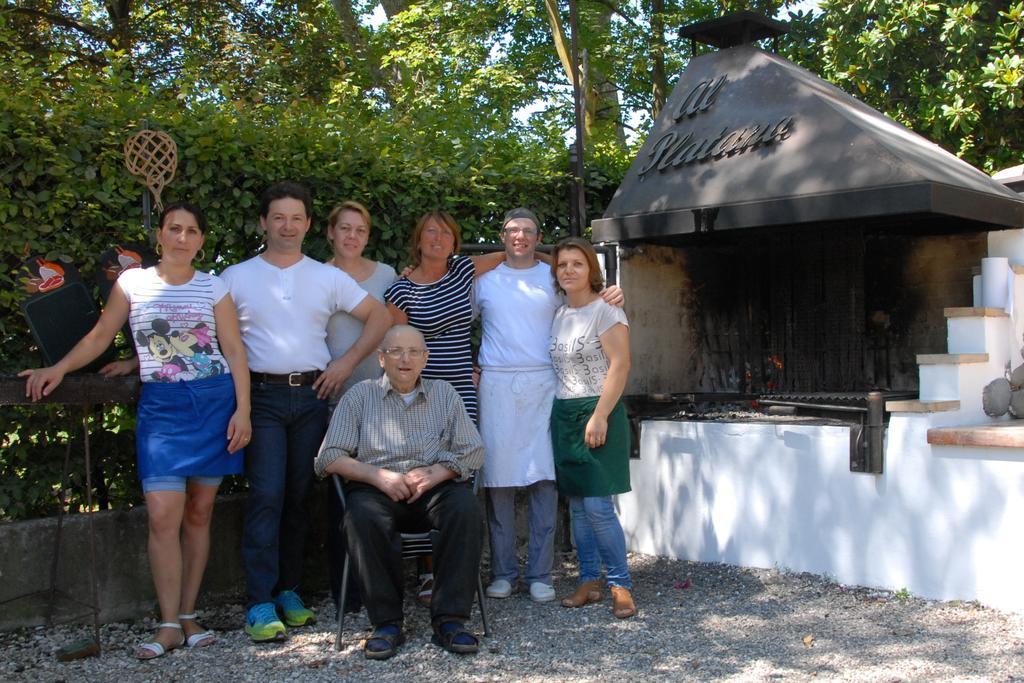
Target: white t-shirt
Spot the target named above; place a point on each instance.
(517, 306)
(173, 326)
(283, 312)
(575, 347)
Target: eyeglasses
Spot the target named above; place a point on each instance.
(396, 353)
(525, 232)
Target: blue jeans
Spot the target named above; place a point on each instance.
(288, 424)
(599, 540)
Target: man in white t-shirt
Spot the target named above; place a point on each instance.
(517, 302)
(284, 301)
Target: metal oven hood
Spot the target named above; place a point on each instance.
(749, 139)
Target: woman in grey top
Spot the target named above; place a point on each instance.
(589, 350)
(348, 231)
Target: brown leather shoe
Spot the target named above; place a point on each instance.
(586, 593)
(622, 603)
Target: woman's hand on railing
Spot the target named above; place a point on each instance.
(41, 381)
(120, 368)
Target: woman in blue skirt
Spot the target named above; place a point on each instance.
(193, 412)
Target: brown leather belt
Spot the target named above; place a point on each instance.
(292, 379)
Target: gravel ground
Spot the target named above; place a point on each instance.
(697, 622)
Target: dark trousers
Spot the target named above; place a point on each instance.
(373, 523)
(288, 424)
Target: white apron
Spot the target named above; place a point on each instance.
(515, 424)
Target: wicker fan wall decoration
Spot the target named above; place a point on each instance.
(152, 156)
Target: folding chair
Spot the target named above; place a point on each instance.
(413, 545)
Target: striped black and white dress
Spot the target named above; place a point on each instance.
(443, 311)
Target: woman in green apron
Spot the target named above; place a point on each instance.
(589, 429)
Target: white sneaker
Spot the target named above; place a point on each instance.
(500, 589)
(541, 592)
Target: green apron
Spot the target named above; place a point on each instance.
(589, 472)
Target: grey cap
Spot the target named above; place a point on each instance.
(520, 212)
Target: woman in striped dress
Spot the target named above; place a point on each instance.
(435, 297)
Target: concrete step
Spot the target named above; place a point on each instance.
(1007, 434)
(974, 311)
(975, 329)
(954, 376)
(918, 406)
(951, 358)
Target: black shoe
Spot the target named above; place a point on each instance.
(383, 642)
(453, 636)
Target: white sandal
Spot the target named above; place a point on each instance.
(200, 639)
(153, 649)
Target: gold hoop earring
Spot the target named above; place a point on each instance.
(201, 256)
(159, 249)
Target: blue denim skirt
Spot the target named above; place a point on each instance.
(182, 429)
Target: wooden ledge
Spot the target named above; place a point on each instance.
(915, 406)
(82, 389)
(974, 312)
(996, 435)
(951, 358)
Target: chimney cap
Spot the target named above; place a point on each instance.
(737, 28)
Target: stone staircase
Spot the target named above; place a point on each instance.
(982, 344)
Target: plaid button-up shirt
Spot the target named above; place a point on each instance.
(373, 424)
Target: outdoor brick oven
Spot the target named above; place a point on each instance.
(779, 236)
(784, 246)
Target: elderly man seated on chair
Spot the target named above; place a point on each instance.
(407, 449)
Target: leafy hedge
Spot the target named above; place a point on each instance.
(64, 191)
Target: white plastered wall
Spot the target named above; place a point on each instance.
(942, 523)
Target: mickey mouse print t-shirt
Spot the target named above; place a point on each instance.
(580, 363)
(173, 326)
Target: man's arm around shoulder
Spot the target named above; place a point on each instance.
(376, 321)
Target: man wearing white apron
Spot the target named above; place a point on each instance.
(517, 302)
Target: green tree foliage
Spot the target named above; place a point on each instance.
(65, 192)
(637, 45)
(482, 60)
(244, 49)
(953, 72)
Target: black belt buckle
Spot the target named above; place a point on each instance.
(295, 379)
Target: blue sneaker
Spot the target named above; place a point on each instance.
(262, 624)
(295, 613)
